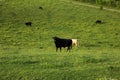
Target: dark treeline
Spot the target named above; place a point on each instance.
(109, 3)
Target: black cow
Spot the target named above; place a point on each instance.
(98, 22)
(59, 43)
(28, 23)
(41, 8)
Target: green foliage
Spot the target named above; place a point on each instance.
(28, 53)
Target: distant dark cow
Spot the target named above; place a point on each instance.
(98, 22)
(59, 43)
(28, 23)
(41, 8)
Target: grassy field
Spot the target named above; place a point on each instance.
(28, 52)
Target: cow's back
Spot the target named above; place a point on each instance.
(63, 42)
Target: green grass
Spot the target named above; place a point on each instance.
(28, 53)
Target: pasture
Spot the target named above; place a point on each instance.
(28, 52)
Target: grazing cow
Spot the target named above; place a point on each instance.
(75, 42)
(41, 8)
(28, 23)
(98, 22)
(59, 43)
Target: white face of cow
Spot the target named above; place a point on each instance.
(75, 42)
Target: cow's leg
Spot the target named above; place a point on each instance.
(56, 49)
(71, 47)
(60, 49)
(68, 49)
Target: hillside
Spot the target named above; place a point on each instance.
(55, 20)
(28, 52)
